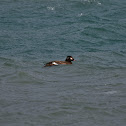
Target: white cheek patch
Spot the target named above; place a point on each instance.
(54, 63)
(71, 58)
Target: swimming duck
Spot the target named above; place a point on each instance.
(55, 63)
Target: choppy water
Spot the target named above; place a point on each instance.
(91, 91)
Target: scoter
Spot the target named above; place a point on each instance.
(68, 60)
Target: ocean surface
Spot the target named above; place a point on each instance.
(91, 91)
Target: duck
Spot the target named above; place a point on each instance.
(68, 60)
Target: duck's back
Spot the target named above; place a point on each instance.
(52, 63)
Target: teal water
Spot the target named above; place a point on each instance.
(89, 92)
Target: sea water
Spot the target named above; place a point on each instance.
(91, 91)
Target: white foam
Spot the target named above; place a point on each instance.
(51, 8)
(81, 14)
(110, 92)
(99, 3)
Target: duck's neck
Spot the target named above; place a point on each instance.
(68, 61)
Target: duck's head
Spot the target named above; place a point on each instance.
(69, 59)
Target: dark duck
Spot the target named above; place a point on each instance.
(68, 60)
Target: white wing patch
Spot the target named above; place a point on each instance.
(54, 63)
